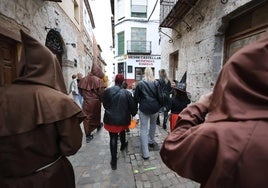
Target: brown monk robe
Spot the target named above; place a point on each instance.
(40, 124)
(229, 148)
(92, 89)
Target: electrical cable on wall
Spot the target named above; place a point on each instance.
(153, 10)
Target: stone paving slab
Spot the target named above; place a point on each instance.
(92, 165)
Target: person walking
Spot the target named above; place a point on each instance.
(221, 141)
(173, 85)
(177, 103)
(119, 106)
(40, 123)
(79, 77)
(92, 88)
(146, 96)
(74, 90)
(166, 89)
(133, 88)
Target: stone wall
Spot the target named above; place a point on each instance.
(200, 49)
(34, 16)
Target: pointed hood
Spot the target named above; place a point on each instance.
(241, 91)
(39, 65)
(37, 96)
(96, 70)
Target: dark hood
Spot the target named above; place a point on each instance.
(37, 96)
(39, 65)
(241, 91)
(91, 82)
(96, 70)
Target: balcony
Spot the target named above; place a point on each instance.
(139, 47)
(173, 11)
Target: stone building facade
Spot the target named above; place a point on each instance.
(56, 24)
(198, 36)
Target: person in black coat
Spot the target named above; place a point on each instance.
(165, 84)
(146, 96)
(177, 103)
(180, 99)
(119, 106)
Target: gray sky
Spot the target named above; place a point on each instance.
(101, 10)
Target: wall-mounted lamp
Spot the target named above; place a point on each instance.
(73, 44)
(170, 39)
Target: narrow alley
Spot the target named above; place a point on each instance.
(92, 165)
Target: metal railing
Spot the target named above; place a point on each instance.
(139, 47)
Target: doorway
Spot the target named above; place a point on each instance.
(8, 60)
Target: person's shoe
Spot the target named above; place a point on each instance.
(157, 121)
(123, 146)
(99, 127)
(151, 145)
(164, 126)
(89, 138)
(145, 158)
(113, 165)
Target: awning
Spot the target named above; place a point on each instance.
(54, 0)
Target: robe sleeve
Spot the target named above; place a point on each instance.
(185, 150)
(70, 134)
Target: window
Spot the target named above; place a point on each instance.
(139, 8)
(120, 68)
(76, 11)
(139, 73)
(138, 39)
(129, 69)
(121, 46)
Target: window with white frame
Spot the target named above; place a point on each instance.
(139, 8)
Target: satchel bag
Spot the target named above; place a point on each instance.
(160, 93)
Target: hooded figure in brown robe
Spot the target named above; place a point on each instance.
(92, 89)
(229, 148)
(40, 124)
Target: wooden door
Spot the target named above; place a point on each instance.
(8, 60)
(246, 28)
(173, 65)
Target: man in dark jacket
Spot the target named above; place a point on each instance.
(119, 107)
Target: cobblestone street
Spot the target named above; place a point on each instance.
(92, 165)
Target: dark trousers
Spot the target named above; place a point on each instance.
(113, 143)
(165, 112)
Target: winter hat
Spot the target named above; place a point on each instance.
(119, 78)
